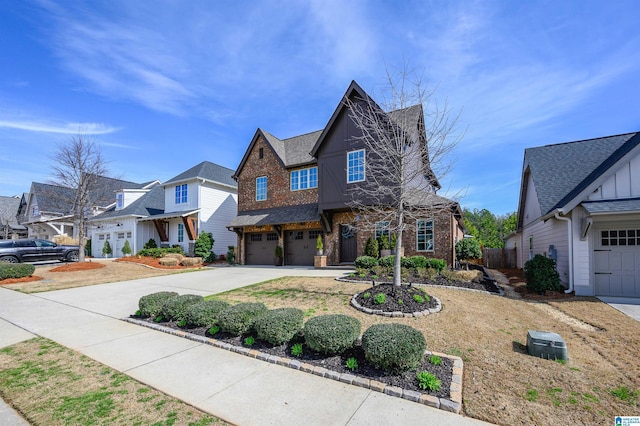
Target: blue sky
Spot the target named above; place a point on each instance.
(164, 85)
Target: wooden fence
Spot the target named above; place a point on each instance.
(499, 258)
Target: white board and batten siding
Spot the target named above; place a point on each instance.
(624, 183)
(217, 209)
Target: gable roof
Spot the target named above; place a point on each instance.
(562, 171)
(208, 171)
(9, 210)
(149, 204)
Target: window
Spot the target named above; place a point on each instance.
(119, 200)
(35, 211)
(355, 166)
(424, 235)
(272, 236)
(622, 237)
(261, 153)
(181, 193)
(180, 232)
(313, 235)
(530, 247)
(256, 237)
(304, 178)
(382, 229)
(261, 188)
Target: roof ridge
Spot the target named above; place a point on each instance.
(584, 140)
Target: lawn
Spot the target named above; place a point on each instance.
(502, 384)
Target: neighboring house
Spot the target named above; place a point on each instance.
(292, 190)
(580, 204)
(9, 226)
(203, 198)
(47, 210)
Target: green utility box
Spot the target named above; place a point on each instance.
(546, 345)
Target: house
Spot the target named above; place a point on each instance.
(293, 190)
(9, 226)
(203, 198)
(580, 204)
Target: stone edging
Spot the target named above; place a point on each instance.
(450, 287)
(452, 404)
(397, 314)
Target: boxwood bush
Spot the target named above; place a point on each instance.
(175, 308)
(331, 334)
(541, 274)
(438, 264)
(279, 326)
(15, 270)
(205, 313)
(160, 252)
(365, 262)
(387, 261)
(239, 319)
(393, 347)
(151, 304)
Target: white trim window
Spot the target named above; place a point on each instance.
(119, 200)
(181, 194)
(424, 235)
(180, 232)
(304, 178)
(382, 229)
(356, 166)
(261, 188)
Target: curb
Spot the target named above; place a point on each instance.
(452, 404)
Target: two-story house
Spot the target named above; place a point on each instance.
(292, 190)
(203, 198)
(9, 226)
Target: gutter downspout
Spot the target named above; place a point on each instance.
(570, 241)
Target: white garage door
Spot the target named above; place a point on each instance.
(617, 262)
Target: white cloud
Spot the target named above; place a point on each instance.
(63, 128)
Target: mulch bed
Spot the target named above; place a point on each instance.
(406, 380)
(152, 262)
(483, 285)
(517, 281)
(20, 280)
(396, 299)
(78, 266)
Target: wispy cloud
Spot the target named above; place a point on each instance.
(62, 128)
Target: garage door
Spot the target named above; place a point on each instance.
(260, 248)
(617, 262)
(300, 246)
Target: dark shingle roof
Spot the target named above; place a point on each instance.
(293, 151)
(9, 210)
(206, 170)
(612, 206)
(277, 216)
(151, 203)
(560, 172)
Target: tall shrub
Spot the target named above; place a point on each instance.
(203, 245)
(371, 248)
(468, 248)
(541, 274)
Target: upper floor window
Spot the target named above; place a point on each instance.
(180, 232)
(304, 178)
(181, 193)
(261, 153)
(355, 166)
(261, 188)
(382, 230)
(424, 235)
(35, 211)
(119, 200)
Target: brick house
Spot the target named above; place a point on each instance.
(292, 190)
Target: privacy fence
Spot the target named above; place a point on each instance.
(499, 258)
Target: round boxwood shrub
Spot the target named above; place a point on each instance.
(175, 308)
(393, 347)
(151, 304)
(365, 262)
(239, 319)
(279, 326)
(15, 270)
(331, 334)
(438, 264)
(541, 274)
(205, 313)
(387, 261)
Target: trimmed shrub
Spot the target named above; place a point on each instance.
(541, 274)
(175, 308)
(205, 313)
(365, 262)
(15, 270)
(239, 319)
(387, 261)
(371, 248)
(393, 347)
(419, 261)
(438, 264)
(151, 304)
(203, 245)
(160, 252)
(331, 334)
(468, 248)
(279, 326)
(151, 244)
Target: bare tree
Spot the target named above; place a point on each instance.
(78, 165)
(407, 138)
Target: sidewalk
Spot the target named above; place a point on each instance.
(231, 386)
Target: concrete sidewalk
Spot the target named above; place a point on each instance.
(231, 386)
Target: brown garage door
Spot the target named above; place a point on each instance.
(260, 248)
(301, 246)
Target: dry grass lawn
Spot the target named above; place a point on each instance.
(502, 384)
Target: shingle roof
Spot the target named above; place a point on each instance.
(628, 205)
(277, 216)
(560, 172)
(9, 210)
(294, 151)
(149, 204)
(206, 170)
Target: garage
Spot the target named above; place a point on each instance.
(260, 248)
(300, 246)
(617, 262)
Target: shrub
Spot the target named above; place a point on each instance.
(279, 326)
(205, 313)
(160, 252)
(438, 264)
(387, 261)
(393, 347)
(231, 255)
(106, 248)
(151, 304)
(420, 261)
(468, 248)
(87, 246)
(407, 262)
(383, 242)
(428, 381)
(203, 245)
(15, 270)
(365, 262)
(175, 308)
(151, 244)
(379, 299)
(541, 274)
(126, 248)
(371, 248)
(331, 334)
(239, 319)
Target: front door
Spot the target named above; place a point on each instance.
(348, 244)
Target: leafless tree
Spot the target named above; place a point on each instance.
(78, 164)
(407, 138)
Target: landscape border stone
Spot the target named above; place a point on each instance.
(418, 314)
(452, 404)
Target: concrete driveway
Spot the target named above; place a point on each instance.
(626, 305)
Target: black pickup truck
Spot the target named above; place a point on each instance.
(34, 250)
